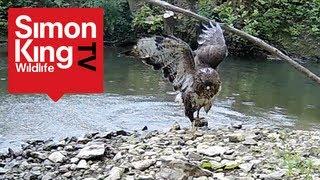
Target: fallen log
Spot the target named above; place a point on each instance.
(257, 41)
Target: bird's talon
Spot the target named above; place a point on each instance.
(200, 122)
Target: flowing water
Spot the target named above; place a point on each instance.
(255, 91)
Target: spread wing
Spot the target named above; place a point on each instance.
(169, 54)
(212, 48)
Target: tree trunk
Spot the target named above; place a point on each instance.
(169, 22)
(259, 42)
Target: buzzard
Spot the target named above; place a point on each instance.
(193, 73)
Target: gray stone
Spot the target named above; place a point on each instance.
(211, 150)
(64, 168)
(316, 162)
(48, 176)
(246, 167)
(3, 170)
(236, 137)
(117, 156)
(194, 156)
(274, 136)
(145, 177)
(177, 169)
(106, 135)
(250, 141)
(171, 174)
(115, 173)
(49, 145)
(91, 151)
(237, 125)
(67, 174)
(201, 178)
(219, 176)
(274, 175)
(74, 160)
(56, 157)
(82, 164)
(144, 164)
(38, 155)
(231, 165)
(69, 148)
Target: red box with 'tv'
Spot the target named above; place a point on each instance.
(55, 51)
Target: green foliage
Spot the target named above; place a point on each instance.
(148, 20)
(118, 21)
(281, 22)
(295, 163)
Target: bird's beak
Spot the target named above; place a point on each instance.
(208, 87)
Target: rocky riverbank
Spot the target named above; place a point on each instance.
(227, 153)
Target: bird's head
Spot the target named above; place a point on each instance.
(207, 82)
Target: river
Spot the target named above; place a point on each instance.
(254, 91)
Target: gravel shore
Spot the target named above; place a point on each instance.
(235, 152)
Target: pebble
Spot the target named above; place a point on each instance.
(144, 164)
(2, 170)
(82, 164)
(246, 167)
(56, 157)
(236, 137)
(210, 150)
(222, 153)
(250, 142)
(115, 173)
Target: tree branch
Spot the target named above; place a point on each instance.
(259, 42)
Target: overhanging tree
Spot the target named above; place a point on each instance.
(257, 41)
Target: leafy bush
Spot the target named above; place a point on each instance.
(148, 20)
(281, 22)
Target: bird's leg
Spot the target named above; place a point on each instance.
(198, 112)
(193, 126)
(200, 121)
(190, 114)
(189, 111)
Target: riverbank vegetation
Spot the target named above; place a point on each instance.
(292, 26)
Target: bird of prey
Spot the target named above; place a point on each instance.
(193, 73)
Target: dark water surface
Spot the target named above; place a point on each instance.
(254, 91)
